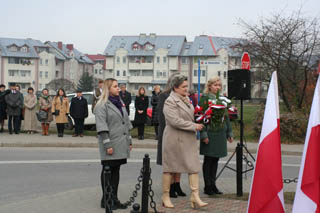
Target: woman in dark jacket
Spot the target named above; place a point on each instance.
(175, 188)
(213, 141)
(154, 103)
(141, 104)
(3, 105)
(115, 143)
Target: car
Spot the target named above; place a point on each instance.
(90, 121)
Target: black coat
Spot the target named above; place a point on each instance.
(126, 98)
(154, 103)
(141, 103)
(14, 103)
(3, 105)
(79, 108)
(162, 124)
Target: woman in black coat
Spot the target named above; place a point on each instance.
(175, 188)
(3, 105)
(154, 103)
(141, 104)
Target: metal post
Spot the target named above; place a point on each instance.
(199, 73)
(239, 154)
(145, 184)
(107, 195)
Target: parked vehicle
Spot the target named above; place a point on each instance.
(90, 121)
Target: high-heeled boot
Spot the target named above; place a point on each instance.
(43, 126)
(194, 186)
(47, 129)
(166, 182)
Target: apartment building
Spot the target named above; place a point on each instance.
(99, 67)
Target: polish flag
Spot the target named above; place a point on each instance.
(266, 193)
(307, 198)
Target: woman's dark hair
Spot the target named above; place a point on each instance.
(45, 89)
(139, 91)
(64, 93)
(2, 86)
(30, 88)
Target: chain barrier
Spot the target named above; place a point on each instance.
(153, 204)
(136, 189)
(248, 162)
(108, 195)
(288, 180)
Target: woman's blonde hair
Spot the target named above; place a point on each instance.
(210, 82)
(105, 90)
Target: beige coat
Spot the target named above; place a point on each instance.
(62, 107)
(180, 145)
(45, 105)
(30, 119)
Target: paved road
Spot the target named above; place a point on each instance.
(67, 179)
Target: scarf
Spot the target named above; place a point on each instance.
(117, 102)
(185, 99)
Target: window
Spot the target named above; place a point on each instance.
(47, 61)
(149, 47)
(118, 72)
(184, 60)
(25, 73)
(224, 74)
(40, 61)
(40, 74)
(14, 61)
(203, 73)
(158, 74)
(124, 73)
(118, 59)
(164, 74)
(147, 73)
(135, 72)
(169, 46)
(124, 59)
(46, 74)
(95, 71)
(158, 60)
(164, 59)
(200, 46)
(40, 86)
(219, 73)
(195, 72)
(24, 49)
(136, 86)
(100, 71)
(13, 73)
(57, 74)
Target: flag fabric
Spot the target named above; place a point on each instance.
(307, 197)
(266, 192)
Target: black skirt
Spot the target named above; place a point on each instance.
(113, 163)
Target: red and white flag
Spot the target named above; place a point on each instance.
(307, 198)
(266, 193)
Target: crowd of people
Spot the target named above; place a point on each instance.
(172, 117)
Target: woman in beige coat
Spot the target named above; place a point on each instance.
(60, 109)
(180, 145)
(30, 119)
(46, 104)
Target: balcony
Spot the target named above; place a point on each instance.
(141, 66)
(140, 79)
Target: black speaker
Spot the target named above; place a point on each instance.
(239, 84)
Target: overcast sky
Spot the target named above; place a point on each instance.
(89, 24)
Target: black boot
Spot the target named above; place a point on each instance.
(215, 189)
(208, 190)
(1, 130)
(179, 190)
(173, 191)
(118, 205)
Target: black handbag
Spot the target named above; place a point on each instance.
(56, 112)
(42, 115)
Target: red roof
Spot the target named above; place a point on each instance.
(96, 57)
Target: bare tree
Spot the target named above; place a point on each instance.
(56, 84)
(287, 45)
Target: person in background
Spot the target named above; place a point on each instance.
(115, 142)
(18, 88)
(96, 94)
(180, 145)
(141, 104)
(175, 188)
(3, 106)
(30, 119)
(154, 102)
(126, 97)
(46, 105)
(78, 111)
(213, 141)
(14, 103)
(193, 98)
(60, 109)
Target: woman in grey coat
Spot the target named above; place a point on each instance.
(113, 128)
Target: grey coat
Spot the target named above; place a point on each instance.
(14, 103)
(113, 130)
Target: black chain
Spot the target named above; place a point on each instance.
(249, 163)
(288, 180)
(153, 204)
(135, 191)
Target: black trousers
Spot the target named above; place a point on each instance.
(209, 169)
(78, 126)
(60, 128)
(16, 122)
(114, 182)
(140, 129)
(156, 129)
